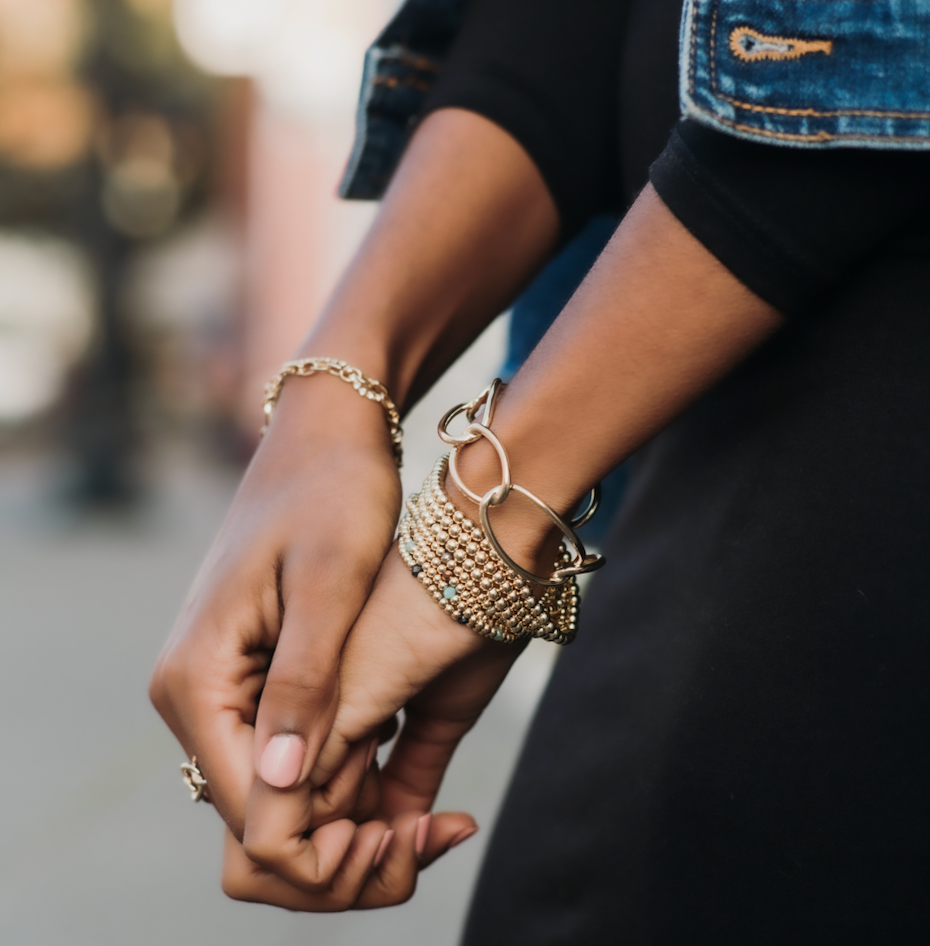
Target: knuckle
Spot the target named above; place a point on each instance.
(341, 902)
(406, 893)
(337, 801)
(405, 889)
(235, 882)
(337, 567)
(169, 681)
(298, 685)
(164, 687)
(261, 851)
(234, 888)
(158, 695)
(326, 811)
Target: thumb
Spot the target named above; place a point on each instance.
(400, 644)
(412, 776)
(299, 700)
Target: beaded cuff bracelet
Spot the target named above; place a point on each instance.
(452, 558)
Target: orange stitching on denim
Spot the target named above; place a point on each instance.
(423, 63)
(752, 46)
(820, 136)
(812, 113)
(392, 82)
(796, 112)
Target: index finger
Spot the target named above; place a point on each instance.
(281, 833)
(206, 687)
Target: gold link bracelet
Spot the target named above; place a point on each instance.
(365, 386)
(581, 562)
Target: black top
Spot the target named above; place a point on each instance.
(589, 89)
(733, 752)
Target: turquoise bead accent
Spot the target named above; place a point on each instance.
(410, 546)
(448, 592)
(498, 634)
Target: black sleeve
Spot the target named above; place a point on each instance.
(789, 222)
(547, 72)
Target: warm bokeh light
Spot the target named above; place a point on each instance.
(45, 124)
(305, 54)
(46, 114)
(39, 37)
(46, 320)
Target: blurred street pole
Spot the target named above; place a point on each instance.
(135, 192)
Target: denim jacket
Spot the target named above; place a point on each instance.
(809, 73)
(805, 73)
(400, 69)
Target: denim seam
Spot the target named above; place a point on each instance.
(392, 82)
(820, 136)
(403, 56)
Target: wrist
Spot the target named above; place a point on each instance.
(324, 408)
(381, 346)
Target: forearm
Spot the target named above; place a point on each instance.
(657, 321)
(466, 222)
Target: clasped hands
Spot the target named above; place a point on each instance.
(302, 637)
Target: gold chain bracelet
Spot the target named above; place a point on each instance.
(365, 386)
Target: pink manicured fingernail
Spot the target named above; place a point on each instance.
(282, 760)
(461, 836)
(372, 752)
(383, 846)
(423, 833)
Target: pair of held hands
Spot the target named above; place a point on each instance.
(303, 635)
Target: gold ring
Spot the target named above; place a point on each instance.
(194, 780)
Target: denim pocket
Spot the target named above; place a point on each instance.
(823, 73)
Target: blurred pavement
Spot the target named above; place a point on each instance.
(99, 843)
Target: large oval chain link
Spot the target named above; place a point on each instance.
(581, 562)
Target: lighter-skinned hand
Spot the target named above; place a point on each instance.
(403, 653)
(281, 587)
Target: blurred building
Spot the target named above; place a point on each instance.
(305, 57)
(106, 134)
(168, 221)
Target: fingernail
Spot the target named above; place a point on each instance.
(372, 752)
(423, 833)
(383, 846)
(462, 836)
(282, 760)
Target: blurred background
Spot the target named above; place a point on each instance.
(168, 228)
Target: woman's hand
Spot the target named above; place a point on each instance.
(308, 531)
(405, 652)
(402, 652)
(335, 865)
(269, 612)
(344, 867)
